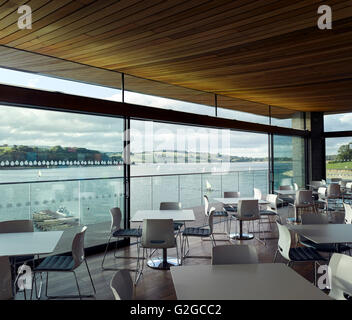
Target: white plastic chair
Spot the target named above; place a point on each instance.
(61, 263)
(117, 232)
(157, 234)
(234, 254)
(217, 214)
(122, 285)
(299, 254)
(340, 276)
(248, 210)
(348, 213)
(304, 200)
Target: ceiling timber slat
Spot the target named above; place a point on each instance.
(252, 53)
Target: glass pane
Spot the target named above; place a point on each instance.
(165, 96)
(338, 122)
(287, 118)
(49, 83)
(236, 109)
(339, 158)
(183, 163)
(62, 170)
(289, 161)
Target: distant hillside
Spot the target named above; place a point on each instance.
(16, 155)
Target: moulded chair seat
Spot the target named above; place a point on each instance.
(323, 247)
(196, 232)
(56, 263)
(301, 254)
(127, 233)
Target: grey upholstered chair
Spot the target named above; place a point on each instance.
(117, 232)
(61, 263)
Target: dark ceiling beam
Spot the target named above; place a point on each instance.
(33, 98)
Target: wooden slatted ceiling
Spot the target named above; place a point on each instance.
(268, 52)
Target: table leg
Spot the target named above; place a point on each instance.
(241, 235)
(163, 263)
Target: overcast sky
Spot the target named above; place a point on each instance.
(23, 126)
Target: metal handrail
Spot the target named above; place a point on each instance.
(139, 176)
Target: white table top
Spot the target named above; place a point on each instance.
(324, 233)
(234, 201)
(176, 215)
(286, 192)
(267, 281)
(28, 243)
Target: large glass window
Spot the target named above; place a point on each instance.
(184, 163)
(339, 158)
(338, 122)
(62, 170)
(36, 81)
(289, 161)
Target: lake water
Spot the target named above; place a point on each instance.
(90, 200)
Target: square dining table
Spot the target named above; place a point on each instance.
(325, 233)
(165, 262)
(264, 281)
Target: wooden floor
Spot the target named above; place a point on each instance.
(154, 284)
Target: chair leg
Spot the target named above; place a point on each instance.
(106, 250)
(79, 291)
(90, 276)
(275, 255)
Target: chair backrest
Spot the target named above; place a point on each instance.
(158, 233)
(78, 247)
(206, 205)
(309, 218)
(333, 190)
(257, 194)
(116, 218)
(14, 226)
(285, 188)
(211, 219)
(248, 210)
(5, 279)
(170, 206)
(316, 184)
(272, 199)
(295, 186)
(342, 183)
(304, 197)
(121, 285)
(340, 276)
(284, 243)
(234, 254)
(323, 182)
(231, 194)
(349, 186)
(322, 192)
(348, 213)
